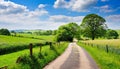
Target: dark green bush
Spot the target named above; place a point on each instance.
(4, 32)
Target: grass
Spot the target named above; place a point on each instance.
(6, 41)
(10, 44)
(36, 61)
(41, 37)
(111, 42)
(104, 60)
(118, 32)
(10, 59)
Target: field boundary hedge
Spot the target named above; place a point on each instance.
(10, 49)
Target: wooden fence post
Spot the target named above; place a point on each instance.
(40, 48)
(107, 49)
(30, 46)
(50, 45)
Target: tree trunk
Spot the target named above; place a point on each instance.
(93, 35)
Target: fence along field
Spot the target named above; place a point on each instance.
(10, 44)
(47, 54)
(111, 45)
(104, 59)
(106, 52)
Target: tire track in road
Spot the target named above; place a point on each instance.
(74, 57)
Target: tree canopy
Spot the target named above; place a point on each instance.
(112, 34)
(93, 26)
(4, 32)
(67, 32)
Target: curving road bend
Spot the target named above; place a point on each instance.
(74, 57)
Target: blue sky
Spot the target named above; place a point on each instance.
(50, 14)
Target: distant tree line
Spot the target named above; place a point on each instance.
(92, 26)
(43, 32)
(38, 32)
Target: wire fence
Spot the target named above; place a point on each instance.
(107, 48)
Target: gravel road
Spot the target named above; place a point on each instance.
(74, 57)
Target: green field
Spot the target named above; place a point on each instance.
(110, 42)
(10, 40)
(41, 37)
(48, 54)
(97, 49)
(12, 45)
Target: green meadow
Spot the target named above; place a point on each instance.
(47, 56)
(104, 59)
(12, 47)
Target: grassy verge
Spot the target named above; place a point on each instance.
(38, 61)
(104, 60)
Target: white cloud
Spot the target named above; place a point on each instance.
(105, 9)
(66, 19)
(113, 18)
(41, 6)
(15, 16)
(75, 5)
(113, 21)
(26, 19)
(7, 7)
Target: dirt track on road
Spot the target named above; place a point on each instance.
(74, 57)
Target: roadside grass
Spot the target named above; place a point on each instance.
(10, 59)
(38, 61)
(104, 60)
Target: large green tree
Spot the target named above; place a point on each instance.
(93, 26)
(4, 32)
(67, 32)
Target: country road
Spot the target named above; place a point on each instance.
(74, 57)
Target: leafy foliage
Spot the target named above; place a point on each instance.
(112, 34)
(4, 32)
(67, 32)
(43, 32)
(93, 26)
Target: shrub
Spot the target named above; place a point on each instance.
(112, 34)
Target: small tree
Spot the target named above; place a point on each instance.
(67, 32)
(4, 32)
(112, 34)
(93, 26)
(13, 33)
